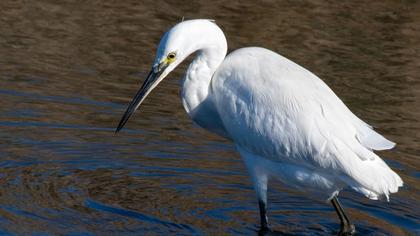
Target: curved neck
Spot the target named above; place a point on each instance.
(196, 82)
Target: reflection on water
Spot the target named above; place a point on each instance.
(68, 69)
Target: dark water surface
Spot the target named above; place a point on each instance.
(69, 68)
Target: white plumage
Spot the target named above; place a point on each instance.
(285, 122)
(275, 109)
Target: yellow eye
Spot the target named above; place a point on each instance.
(171, 56)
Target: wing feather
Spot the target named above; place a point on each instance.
(279, 110)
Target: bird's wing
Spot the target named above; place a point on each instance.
(279, 110)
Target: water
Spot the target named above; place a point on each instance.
(68, 70)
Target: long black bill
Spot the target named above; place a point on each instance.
(145, 89)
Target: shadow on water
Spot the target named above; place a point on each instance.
(68, 70)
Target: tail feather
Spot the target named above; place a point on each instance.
(371, 139)
(373, 179)
(366, 172)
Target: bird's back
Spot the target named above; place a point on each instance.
(278, 110)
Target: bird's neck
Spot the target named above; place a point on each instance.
(196, 82)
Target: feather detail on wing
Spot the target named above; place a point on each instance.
(371, 139)
(279, 110)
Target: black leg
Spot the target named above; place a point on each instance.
(347, 228)
(263, 214)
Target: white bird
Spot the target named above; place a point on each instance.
(286, 123)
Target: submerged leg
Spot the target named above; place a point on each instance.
(263, 214)
(260, 185)
(347, 228)
(259, 178)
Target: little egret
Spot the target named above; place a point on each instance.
(285, 122)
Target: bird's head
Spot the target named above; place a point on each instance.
(176, 44)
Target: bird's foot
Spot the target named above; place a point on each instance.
(347, 230)
(264, 230)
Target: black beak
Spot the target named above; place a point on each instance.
(148, 85)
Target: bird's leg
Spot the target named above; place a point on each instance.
(260, 181)
(263, 214)
(347, 228)
(260, 184)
